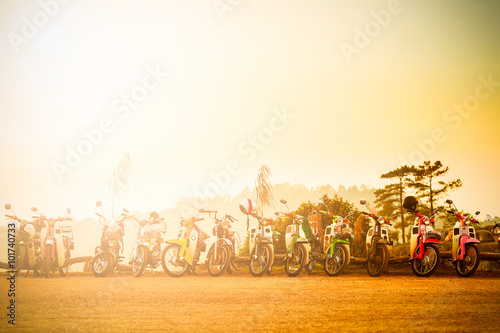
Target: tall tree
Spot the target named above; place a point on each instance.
(264, 189)
(428, 187)
(119, 181)
(390, 198)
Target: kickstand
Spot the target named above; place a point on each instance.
(25, 275)
(152, 270)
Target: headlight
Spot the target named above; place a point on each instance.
(264, 222)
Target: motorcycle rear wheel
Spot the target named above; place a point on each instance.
(140, 261)
(102, 264)
(261, 263)
(428, 264)
(468, 265)
(20, 258)
(216, 266)
(378, 264)
(295, 263)
(170, 254)
(336, 264)
(47, 261)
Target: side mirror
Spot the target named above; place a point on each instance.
(449, 201)
(8, 206)
(283, 201)
(488, 217)
(478, 212)
(362, 201)
(33, 209)
(98, 204)
(276, 213)
(126, 211)
(68, 210)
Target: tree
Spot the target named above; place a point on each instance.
(390, 198)
(119, 181)
(426, 186)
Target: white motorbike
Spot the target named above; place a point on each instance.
(56, 241)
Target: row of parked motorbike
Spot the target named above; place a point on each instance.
(43, 245)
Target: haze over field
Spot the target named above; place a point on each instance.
(323, 92)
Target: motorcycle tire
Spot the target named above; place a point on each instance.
(378, 264)
(222, 261)
(173, 250)
(21, 254)
(420, 267)
(263, 260)
(47, 261)
(140, 261)
(63, 271)
(102, 264)
(300, 253)
(468, 265)
(340, 257)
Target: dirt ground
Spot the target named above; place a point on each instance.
(352, 302)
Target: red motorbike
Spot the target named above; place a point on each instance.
(465, 254)
(424, 241)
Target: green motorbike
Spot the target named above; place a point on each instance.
(338, 237)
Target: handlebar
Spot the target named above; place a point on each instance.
(451, 212)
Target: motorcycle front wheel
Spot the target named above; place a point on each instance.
(378, 264)
(428, 264)
(102, 264)
(260, 260)
(216, 265)
(171, 263)
(468, 265)
(295, 263)
(140, 261)
(336, 264)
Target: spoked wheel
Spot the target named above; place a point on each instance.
(21, 254)
(139, 261)
(468, 266)
(102, 264)
(295, 263)
(335, 264)
(428, 264)
(312, 266)
(63, 271)
(378, 264)
(260, 260)
(217, 263)
(172, 263)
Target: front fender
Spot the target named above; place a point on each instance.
(472, 240)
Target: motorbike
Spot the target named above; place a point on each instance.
(56, 241)
(337, 245)
(495, 227)
(424, 254)
(223, 250)
(465, 253)
(377, 243)
(182, 254)
(147, 248)
(107, 254)
(261, 241)
(28, 254)
(296, 242)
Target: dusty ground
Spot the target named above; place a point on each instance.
(351, 302)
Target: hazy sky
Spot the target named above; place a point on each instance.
(323, 92)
